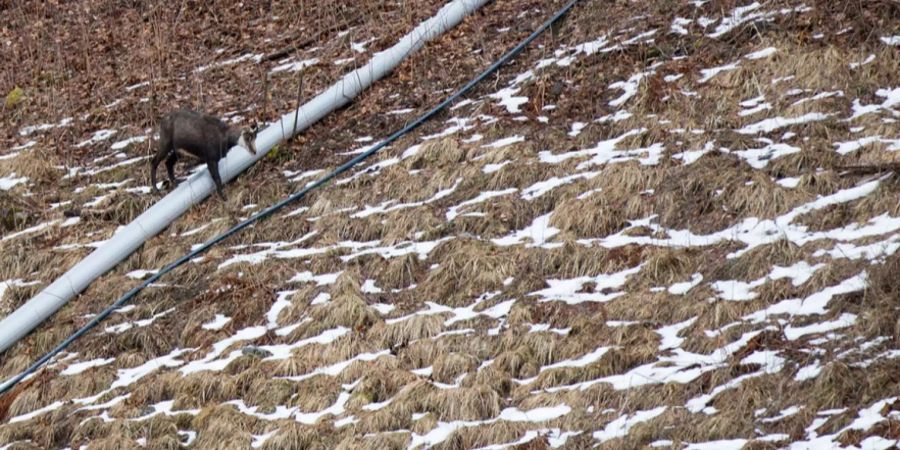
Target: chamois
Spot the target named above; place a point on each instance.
(201, 135)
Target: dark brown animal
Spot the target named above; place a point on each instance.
(203, 136)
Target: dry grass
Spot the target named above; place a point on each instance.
(440, 153)
(413, 329)
(40, 164)
(390, 441)
(484, 359)
(348, 307)
(880, 302)
(470, 268)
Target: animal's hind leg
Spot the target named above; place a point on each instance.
(213, 167)
(164, 149)
(157, 158)
(170, 167)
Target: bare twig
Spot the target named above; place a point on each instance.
(297, 111)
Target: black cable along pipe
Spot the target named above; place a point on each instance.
(292, 198)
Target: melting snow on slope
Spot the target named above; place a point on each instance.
(891, 40)
(755, 232)
(764, 53)
(443, 430)
(629, 86)
(76, 368)
(126, 142)
(738, 17)
(685, 287)
(571, 292)
(708, 74)
(605, 153)
(734, 290)
(295, 66)
(619, 428)
(542, 187)
(453, 212)
(217, 323)
(539, 232)
(769, 125)
(844, 148)
(759, 158)
(813, 304)
(10, 181)
(99, 135)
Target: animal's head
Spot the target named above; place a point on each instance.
(249, 137)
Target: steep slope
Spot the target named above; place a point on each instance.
(666, 226)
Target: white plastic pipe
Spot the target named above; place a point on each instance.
(198, 186)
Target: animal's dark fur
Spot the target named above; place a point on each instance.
(201, 135)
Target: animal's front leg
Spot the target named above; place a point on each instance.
(213, 167)
(157, 158)
(170, 168)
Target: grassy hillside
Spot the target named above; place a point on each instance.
(665, 225)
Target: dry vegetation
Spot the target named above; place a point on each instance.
(595, 280)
